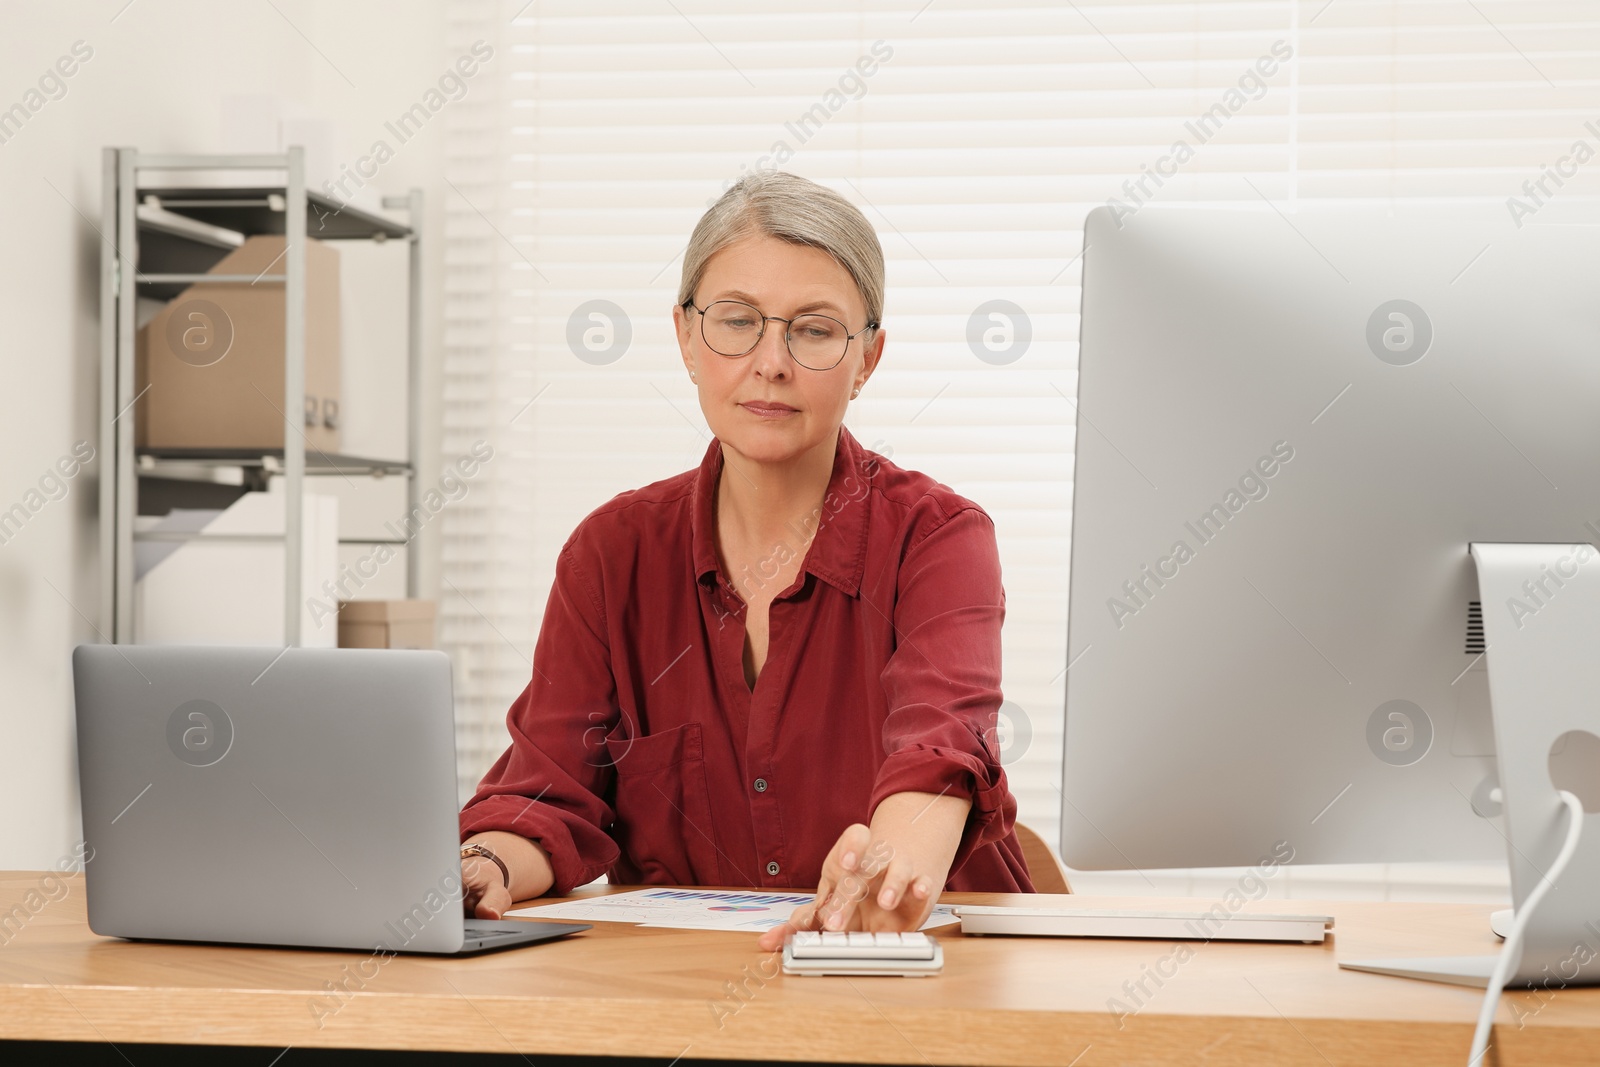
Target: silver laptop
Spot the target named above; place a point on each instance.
(302, 797)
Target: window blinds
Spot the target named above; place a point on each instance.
(975, 137)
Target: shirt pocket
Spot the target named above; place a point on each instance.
(663, 807)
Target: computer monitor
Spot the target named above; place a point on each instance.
(1291, 425)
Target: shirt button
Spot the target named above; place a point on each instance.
(761, 785)
(772, 867)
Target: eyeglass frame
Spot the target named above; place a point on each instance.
(765, 318)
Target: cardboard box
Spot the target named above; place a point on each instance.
(386, 623)
(213, 358)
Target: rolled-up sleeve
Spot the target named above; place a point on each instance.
(550, 784)
(943, 678)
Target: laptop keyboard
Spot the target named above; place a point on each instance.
(482, 932)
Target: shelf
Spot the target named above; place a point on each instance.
(174, 236)
(172, 244)
(169, 462)
(259, 210)
(152, 220)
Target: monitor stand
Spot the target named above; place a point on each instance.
(1541, 626)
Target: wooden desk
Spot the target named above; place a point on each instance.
(625, 991)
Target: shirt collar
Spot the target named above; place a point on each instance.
(838, 552)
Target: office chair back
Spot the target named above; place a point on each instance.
(1047, 874)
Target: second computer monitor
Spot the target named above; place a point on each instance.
(1290, 426)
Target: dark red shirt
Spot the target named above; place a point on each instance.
(639, 751)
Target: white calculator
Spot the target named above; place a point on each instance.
(908, 955)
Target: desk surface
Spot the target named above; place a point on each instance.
(621, 990)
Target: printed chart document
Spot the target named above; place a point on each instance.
(694, 909)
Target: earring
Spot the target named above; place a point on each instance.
(856, 393)
(692, 378)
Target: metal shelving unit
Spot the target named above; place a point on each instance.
(158, 252)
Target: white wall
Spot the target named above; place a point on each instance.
(159, 79)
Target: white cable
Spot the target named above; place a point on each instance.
(1513, 946)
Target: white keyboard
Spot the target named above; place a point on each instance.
(860, 953)
(1088, 921)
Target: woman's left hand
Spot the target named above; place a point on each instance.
(887, 876)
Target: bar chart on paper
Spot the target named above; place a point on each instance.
(693, 909)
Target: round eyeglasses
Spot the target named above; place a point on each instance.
(733, 328)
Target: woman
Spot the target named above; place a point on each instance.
(780, 669)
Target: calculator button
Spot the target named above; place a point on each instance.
(862, 945)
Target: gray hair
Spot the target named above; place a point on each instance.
(795, 209)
